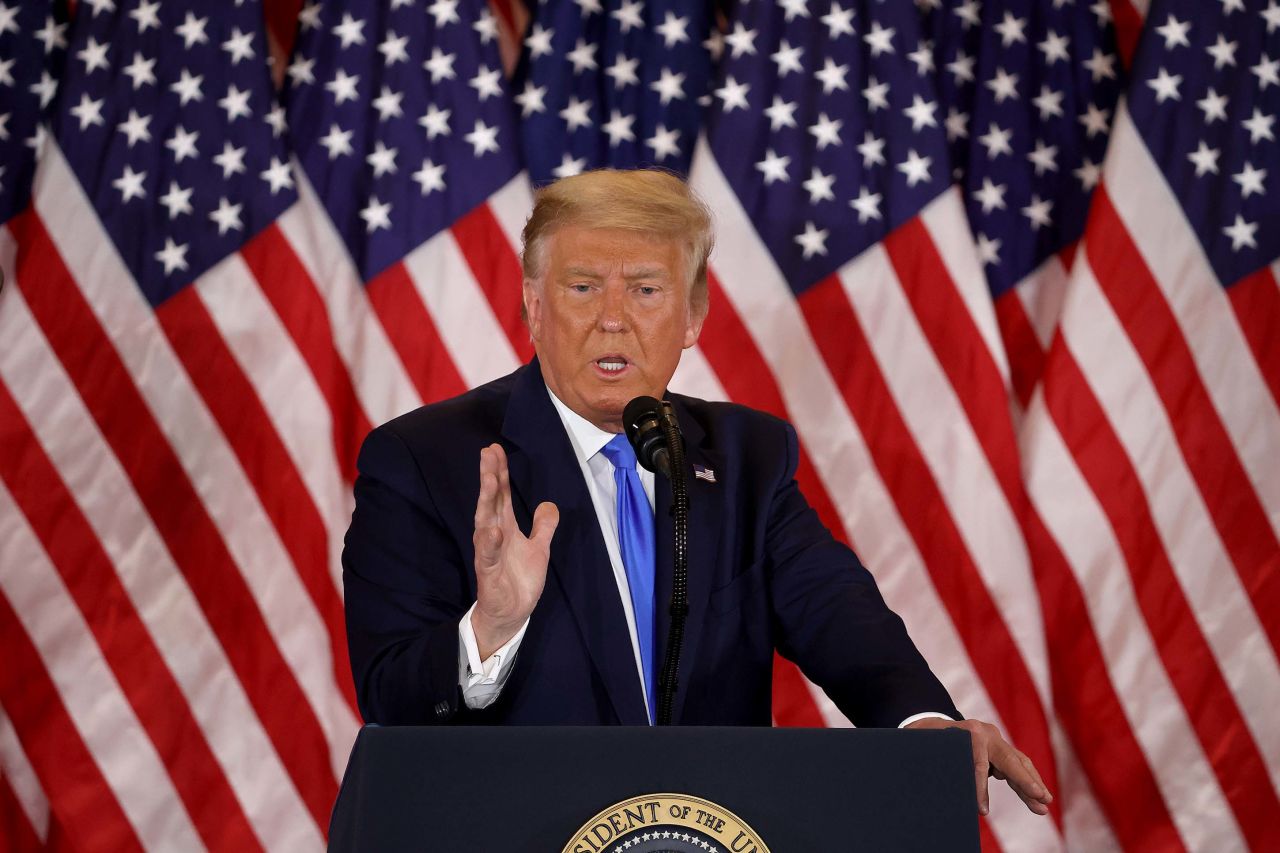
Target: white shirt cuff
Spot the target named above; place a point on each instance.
(481, 681)
(925, 716)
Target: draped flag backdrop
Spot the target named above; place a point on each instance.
(1009, 266)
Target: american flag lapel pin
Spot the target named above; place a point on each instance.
(701, 472)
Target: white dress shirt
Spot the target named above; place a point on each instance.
(482, 680)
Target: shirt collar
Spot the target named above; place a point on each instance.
(587, 438)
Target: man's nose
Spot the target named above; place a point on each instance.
(613, 308)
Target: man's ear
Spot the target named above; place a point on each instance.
(533, 308)
(694, 327)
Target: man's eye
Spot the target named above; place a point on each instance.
(648, 290)
(580, 288)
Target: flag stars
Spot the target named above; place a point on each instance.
(482, 138)
(88, 111)
(187, 87)
(1048, 102)
(1044, 157)
(1095, 120)
(774, 167)
(147, 15)
(182, 144)
(1004, 85)
(177, 201)
(1214, 106)
(988, 250)
(826, 131)
(576, 113)
(1223, 52)
(1054, 48)
(781, 113)
(832, 76)
(1250, 180)
(673, 30)
(664, 142)
(570, 166)
(922, 57)
(231, 160)
(8, 19)
(1259, 126)
(921, 113)
(239, 46)
(1012, 29)
(867, 205)
(1271, 15)
(839, 22)
(1268, 73)
(1101, 66)
(382, 160)
(872, 150)
(1088, 173)
(879, 39)
(350, 31)
(337, 142)
(532, 99)
(235, 103)
(969, 13)
(301, 70)
(93, 55)
(1205, 159)
(140, 71)
(444, 11)
(915, 168)
(990, 196)
(618, 128)
(130, 185)
(376, 215)
(539, 41)
(787, 58)
(1242, 234)
(1165, 85)
(1037, 212)
(996, 141)
(486, 26)
(343, 87)
(957, 124)
(794, 9)
(430, 177)
(876, 95)
(6, 71)
(486, 83)
(388, 104)
(583, 56)
(192, 31)
(440, 65)
(733, 94)
(1174, 33)
(394, 48)
(136, 128)
(628, 15)
(741, 41)
(623, 72)
(435, 121)
(812, 241)
(227, 216)
(173, 256)
(819, 186)
(961, 68)
(669, 86)
(309, 17)
(277, 175)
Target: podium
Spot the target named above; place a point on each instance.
(656, 790)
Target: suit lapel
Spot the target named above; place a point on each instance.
(705, 512)
(543, 467)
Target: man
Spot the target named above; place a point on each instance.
(454, 614)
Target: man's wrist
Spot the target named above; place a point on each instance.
(490, 636)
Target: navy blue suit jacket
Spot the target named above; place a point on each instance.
(764, 575)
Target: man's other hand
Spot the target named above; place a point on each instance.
(511, 568)
(994, 756)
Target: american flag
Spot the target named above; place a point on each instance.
(1010, 267)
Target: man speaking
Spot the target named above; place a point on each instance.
(455, 614)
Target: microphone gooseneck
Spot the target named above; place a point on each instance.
(654, 434)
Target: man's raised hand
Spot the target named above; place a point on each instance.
(511, 568)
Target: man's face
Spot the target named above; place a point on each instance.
(609, 318)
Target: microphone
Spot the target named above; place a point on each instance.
(647, 422)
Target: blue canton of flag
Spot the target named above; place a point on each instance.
(1205, 97)
(400, 116)
(33, 47)
(1032, 90)
(821, 119)
(167, 117)
(621, 87)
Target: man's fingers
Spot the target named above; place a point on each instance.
(488, 545)
(980, 767)
(1021, 775)
(545, 520)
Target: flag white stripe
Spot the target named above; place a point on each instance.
(1084, 825)
(101, 713)
(16, 769)
(191, 432)
(1203, 568)
(381, 382)
(463, 316)
(1072, 514)
(1041, 294)
(1153, 217)
(511, 206)
(941, 430)
(695, 377)
(159, 593)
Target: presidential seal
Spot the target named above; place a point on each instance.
(666, 823)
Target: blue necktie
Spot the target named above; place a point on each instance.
(636, 538)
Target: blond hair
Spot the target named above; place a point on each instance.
(645, 201)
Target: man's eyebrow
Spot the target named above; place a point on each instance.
(650, 271)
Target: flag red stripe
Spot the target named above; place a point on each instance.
(793, 705)
(282, 22)
(17, 835)
(1026, 355)
(1256, 302)
(413, 334)
(244, 421)
(496, 268)
(839, 335)
(1128, 24)
(289, 289)
(1183, 649)
(1211, 458)
(180, 517)
(135, 661)
(79, 797)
